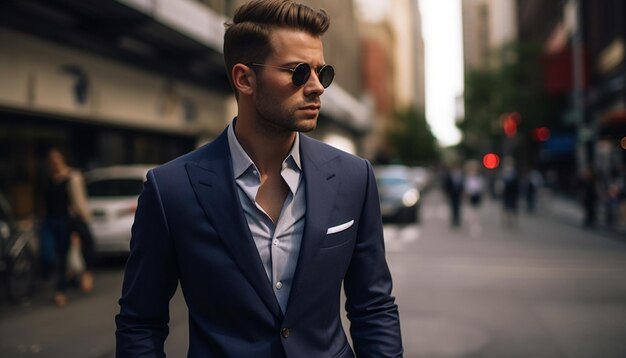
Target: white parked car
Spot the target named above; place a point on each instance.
(112, 197)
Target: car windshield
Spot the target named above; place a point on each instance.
(114, 187)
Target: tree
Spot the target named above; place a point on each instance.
(410, 139)
(515, 86)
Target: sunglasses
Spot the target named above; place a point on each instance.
(301, 73)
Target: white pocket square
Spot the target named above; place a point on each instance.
(338, 228)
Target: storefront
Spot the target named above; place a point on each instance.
(99, 111)
(26, 138)
(121, 82)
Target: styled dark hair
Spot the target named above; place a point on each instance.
(247, 38)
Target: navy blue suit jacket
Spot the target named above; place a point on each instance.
(190, 228)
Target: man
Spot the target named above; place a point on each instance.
(454, 187)
(262, 226)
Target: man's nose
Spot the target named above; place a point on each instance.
(313, 85)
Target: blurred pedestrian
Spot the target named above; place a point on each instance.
(263, 226)
(454, 188)
(474, 184)
(475, 191)
(587, 187)
(613, 195)
(510, 191)
(533, 181)
(63, 204)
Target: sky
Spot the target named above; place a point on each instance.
(441, 29)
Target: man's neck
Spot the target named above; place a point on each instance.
(267, 150)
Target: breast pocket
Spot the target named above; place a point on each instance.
(336, 238)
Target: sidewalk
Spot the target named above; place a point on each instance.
(568, 210)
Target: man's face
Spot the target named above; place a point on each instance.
(281, 106)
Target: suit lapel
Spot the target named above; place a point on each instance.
(213, 183)
(321, 190)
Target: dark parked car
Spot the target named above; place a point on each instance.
(18, 265)
(399, 195)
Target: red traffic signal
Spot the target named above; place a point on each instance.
(541, 134)
(491, 160)
(510, 123)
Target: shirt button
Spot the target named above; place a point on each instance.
(275, 242)
(279, 285)
(285, 332)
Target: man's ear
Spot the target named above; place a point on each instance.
(244, 79)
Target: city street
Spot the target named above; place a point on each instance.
(515, 97)
(544, 288)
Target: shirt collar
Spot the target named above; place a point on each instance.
(291, 166)
(295, 151)
(242, 161)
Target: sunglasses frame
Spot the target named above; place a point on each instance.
(307, 75)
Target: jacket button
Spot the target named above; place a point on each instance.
(285, 332)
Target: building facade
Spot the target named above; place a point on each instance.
(132, 81)
(393, 65)
(488, 25)
(488, 28)
(585, 74)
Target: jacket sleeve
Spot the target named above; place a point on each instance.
(373, 314)
(150, 280)
(78, 196)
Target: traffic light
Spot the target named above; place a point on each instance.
(541, 134)
(491, 160)
(510, 123)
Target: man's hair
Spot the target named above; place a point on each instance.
(247, 38)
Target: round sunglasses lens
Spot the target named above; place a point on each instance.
(326, 75)
(301, 74)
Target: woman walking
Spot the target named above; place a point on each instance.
(65, 214)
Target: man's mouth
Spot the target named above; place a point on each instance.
(312, 107)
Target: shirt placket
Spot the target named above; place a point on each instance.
(279, 246)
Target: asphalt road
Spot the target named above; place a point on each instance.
(545, 288)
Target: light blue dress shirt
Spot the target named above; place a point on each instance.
(278, 243)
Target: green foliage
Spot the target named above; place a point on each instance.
(410, 139)
(517, 85)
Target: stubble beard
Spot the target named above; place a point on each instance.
(274, 118)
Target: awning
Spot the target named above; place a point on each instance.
(200, 23)
(178, 38)
(615, 117)
(148, 34)
(613, 124)
(190, 18)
